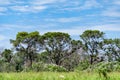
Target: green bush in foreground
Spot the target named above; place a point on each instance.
(40, 67)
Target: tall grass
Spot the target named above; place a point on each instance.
(57, 76)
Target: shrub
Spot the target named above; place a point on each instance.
(40, 66)
(54, 68)
(82, 66)
(7, 67)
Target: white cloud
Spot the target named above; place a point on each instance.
(5, 2)
(77, 30)
(2, 37)
(64, 20)
(25, 6)
(3, 9)
(39, 5)
(70, 31)
(107, 27)
(28, 8)
(88, 4)
(111, 12)
(11, 2)
(116, 2)
(14, 27)
(42, 2)
(5, 43)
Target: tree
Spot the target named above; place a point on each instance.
(18, 61)
(117, 54)
(112, 49)
(7, 55)
(109, 48)
(92, 41)
(57, 45)
(75, 54)
(43, 57)
(27, 43)
(60, 48)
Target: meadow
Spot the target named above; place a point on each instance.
(57, 76)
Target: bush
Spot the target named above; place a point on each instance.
(7, 67)
(40, 66)
(108, 66)
(54, 68)
(82, 66)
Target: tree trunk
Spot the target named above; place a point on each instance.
(91, 59)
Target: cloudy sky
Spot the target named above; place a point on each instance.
(71, 16)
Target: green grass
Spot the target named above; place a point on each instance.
(57, 76)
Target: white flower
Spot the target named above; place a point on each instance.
(62, 76)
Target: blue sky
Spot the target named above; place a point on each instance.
(71, 16)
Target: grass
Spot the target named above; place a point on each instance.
(57, 76)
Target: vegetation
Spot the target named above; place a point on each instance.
(57, 76)
(58, 52)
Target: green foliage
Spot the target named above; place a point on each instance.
(92, 43)
(7, 55)
(18, 60)
(27, 43)
(40, 67)
(37, 67)
(108, 66)
(54, 68)
(112, 49)
(82, 66)
(7, 67)
(57, 45)
(44, 57)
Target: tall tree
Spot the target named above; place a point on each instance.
(27, 43)
(57, 45)
(60, 48)
(92, 41)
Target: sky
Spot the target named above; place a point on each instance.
(69, 16)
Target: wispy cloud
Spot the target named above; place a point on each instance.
(5, 2)
(40, 5)
(2, 37)
(42, 2)
(28, 8)
(87, 4)
(116, 2)
(3, 9)
(90, 4)
(107, 27)
(77, 30)
(64, 20)
(15, 27)
(111, 12)
(33, 6)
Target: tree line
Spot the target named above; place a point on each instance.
(58, 51)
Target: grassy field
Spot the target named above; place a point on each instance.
(57, 76)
